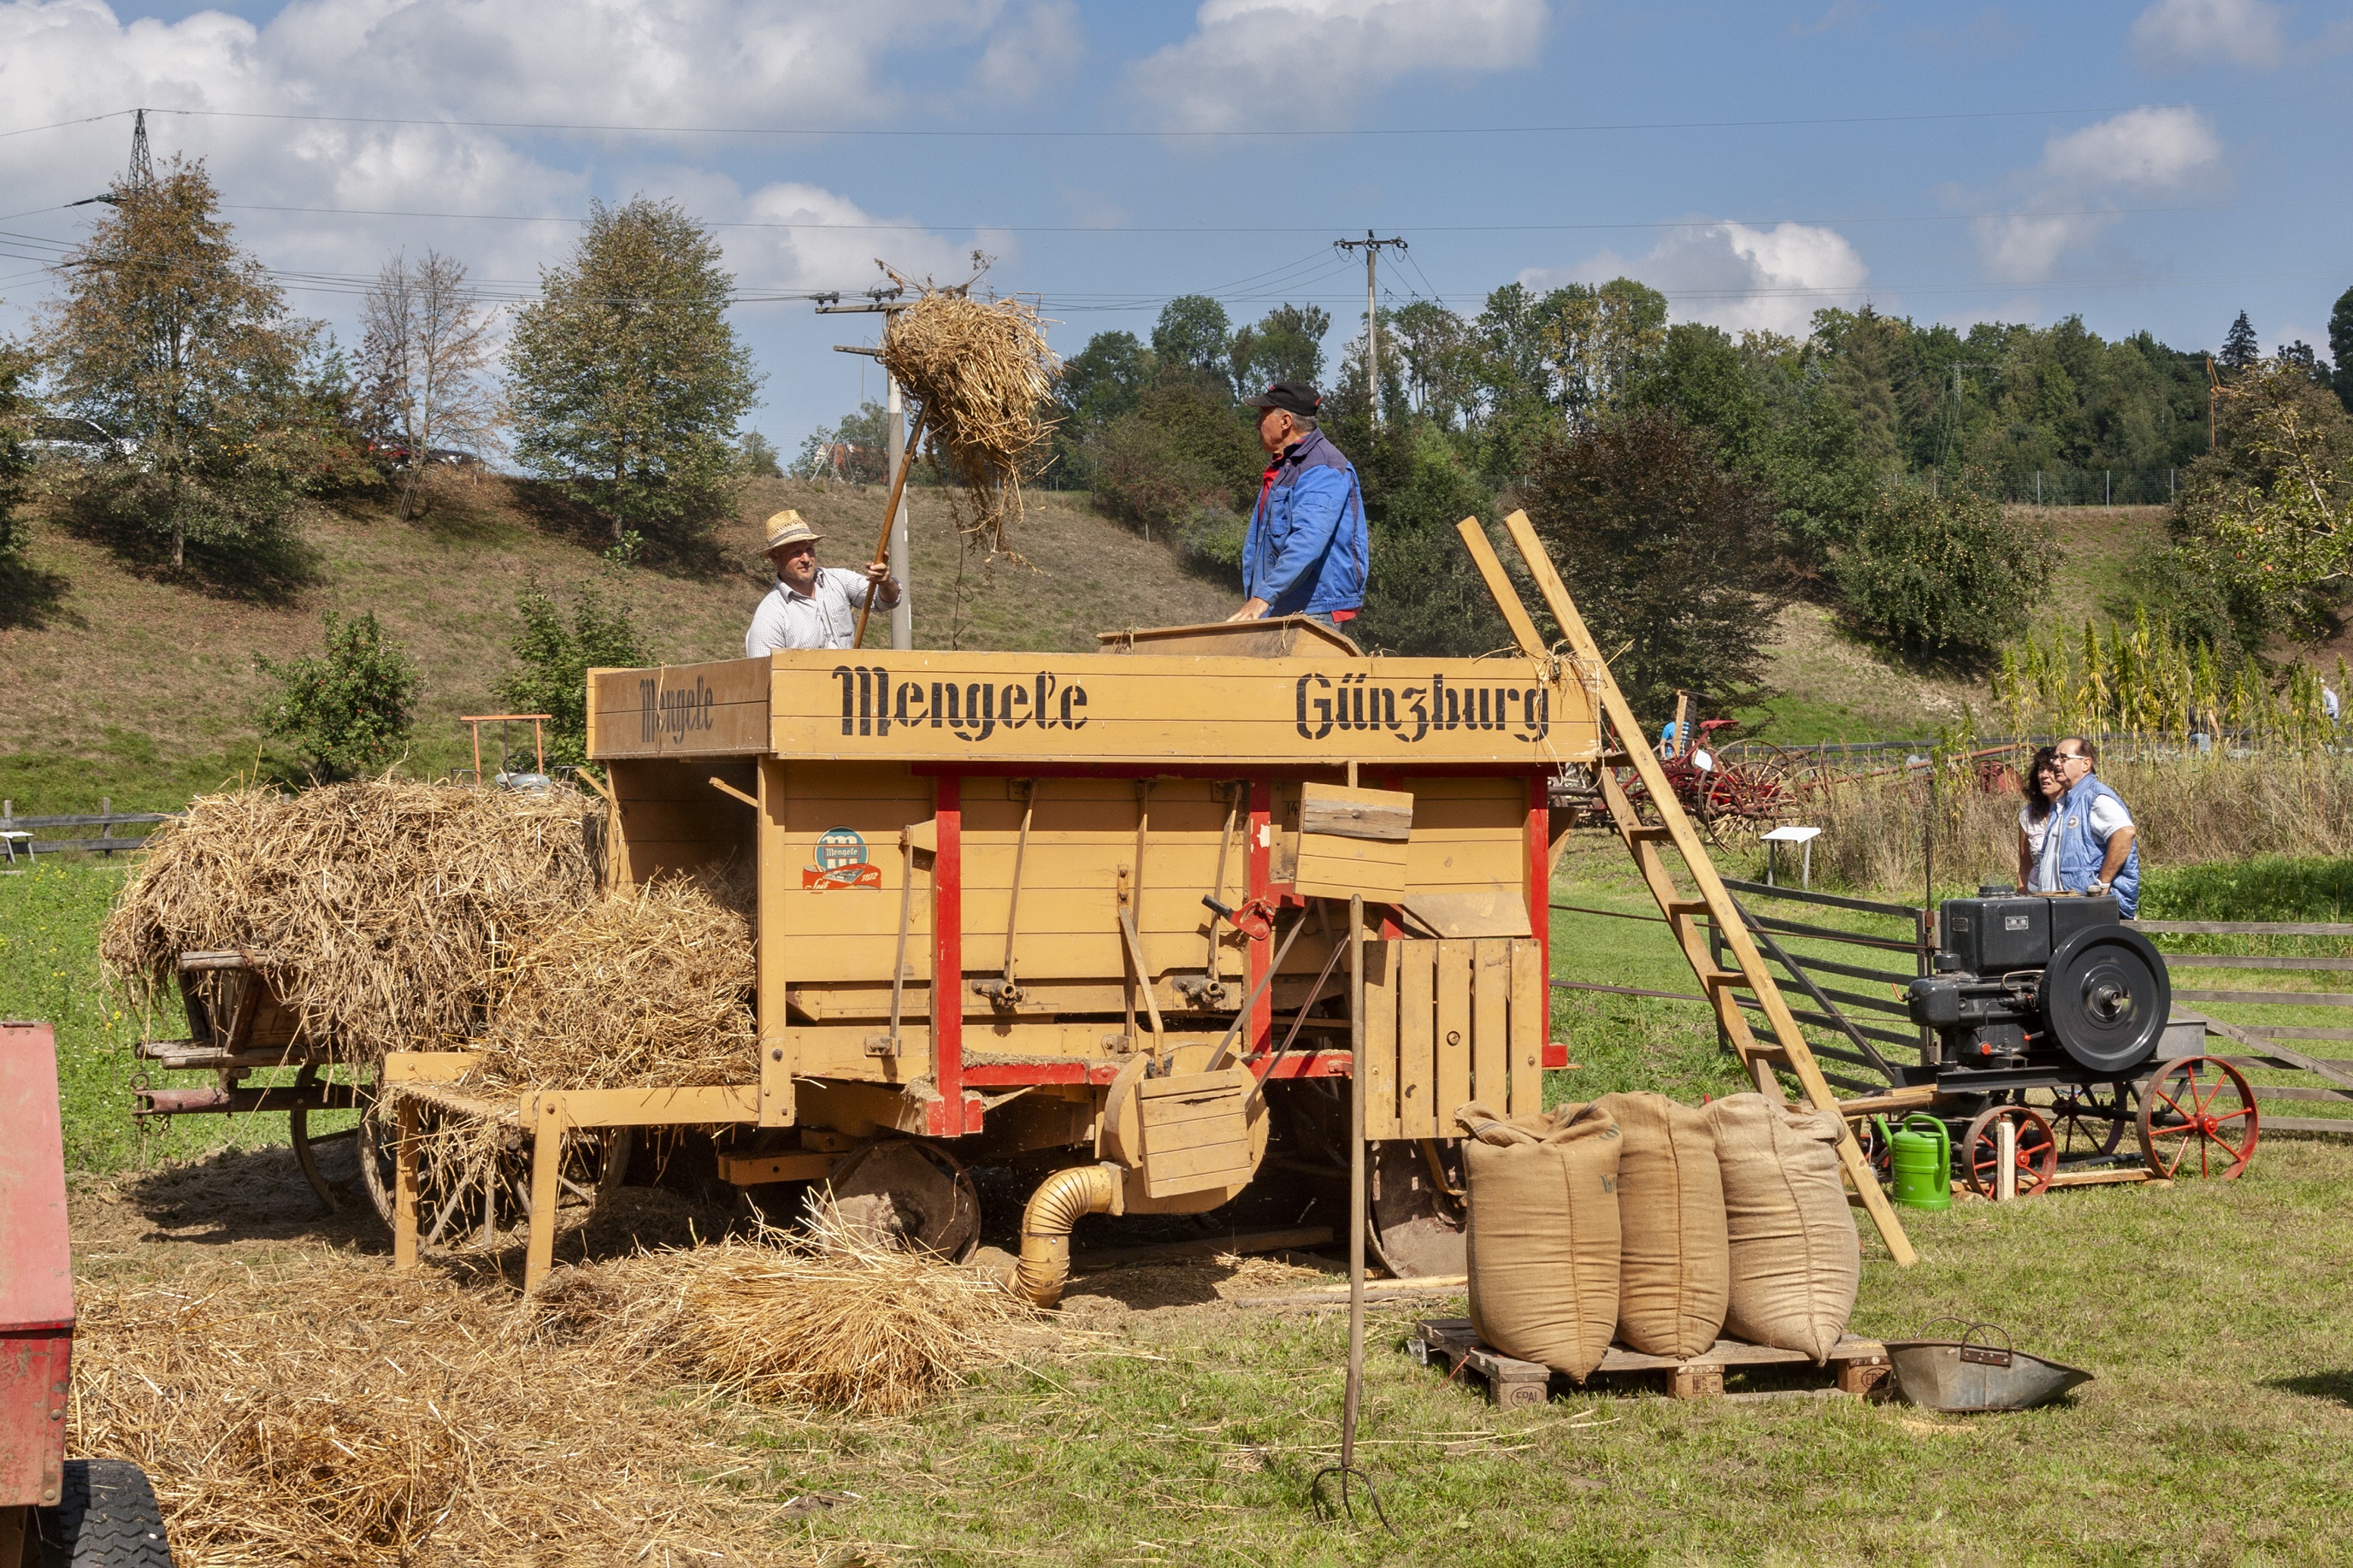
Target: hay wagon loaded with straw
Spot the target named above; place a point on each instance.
(1090, 919)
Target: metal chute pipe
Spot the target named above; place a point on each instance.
(1061, 1201)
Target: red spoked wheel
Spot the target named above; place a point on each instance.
(1742, 797)
(2035, 1156)
(2198, 1118)
(2088, 1120)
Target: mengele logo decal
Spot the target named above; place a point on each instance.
(841, 863)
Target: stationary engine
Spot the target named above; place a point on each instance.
(2032, 980)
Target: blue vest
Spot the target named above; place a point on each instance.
(2080, 855)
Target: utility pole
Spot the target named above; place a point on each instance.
(1372, 249)
(884, 301)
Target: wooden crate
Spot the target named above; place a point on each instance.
(1856, 1366)
(1449, 1022)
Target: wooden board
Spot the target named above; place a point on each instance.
(1382, 814)
(717, 709)
(1380, 1040)
(1417, 1113)
(1490, 1003)
(1330, 868)
(1453, 1040)
(1062, 709)
(1531, 1026)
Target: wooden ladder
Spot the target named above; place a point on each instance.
(1647, 843)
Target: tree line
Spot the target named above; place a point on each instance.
(1693, 482)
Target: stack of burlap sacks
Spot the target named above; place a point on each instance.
(1658, 1225)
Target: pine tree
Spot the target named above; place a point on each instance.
(2340, 346)
(625, 380)
(2240, 347)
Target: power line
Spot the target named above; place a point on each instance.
(1367, 132)
(1848, 221)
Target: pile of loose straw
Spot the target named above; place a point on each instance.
(828, 1319)
(318, 1411)
(378, 909)
(983, 376)
(326, 1412)
(645, 989)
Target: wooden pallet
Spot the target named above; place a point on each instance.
(1856, 1366)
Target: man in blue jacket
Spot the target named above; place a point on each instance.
(1307, 550)
(2093, 836)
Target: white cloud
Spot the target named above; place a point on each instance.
(2189, 34)
(1731, 276)
(1294, 64)
(832, 243)
(2067, 199)
(1029, 55)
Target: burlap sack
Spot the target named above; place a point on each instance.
(1795, 1261)
(1542, 1237)
(1675, 1267)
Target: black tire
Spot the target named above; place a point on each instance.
(105, 1517)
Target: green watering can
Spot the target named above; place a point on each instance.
(1920, 1156)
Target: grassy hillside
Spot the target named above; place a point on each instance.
(116, 682)
(1835, 687)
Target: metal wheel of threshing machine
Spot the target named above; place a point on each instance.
(473, 1177)
(908, 1194)
(2087, 1119)
(1747, 793)
(2035, 1156)
(2198, 1118)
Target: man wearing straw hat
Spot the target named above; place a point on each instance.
(811, 605)
(1306, 549)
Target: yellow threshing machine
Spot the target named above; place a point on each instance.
(1085, 916)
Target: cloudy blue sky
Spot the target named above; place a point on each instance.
(2157, 165)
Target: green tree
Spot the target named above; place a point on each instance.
(1942, 575)
(860, 441)
(1184, 448)
(1668, 553)
(2240, 349)
(755, 455)
(1193, 333)
(1287, 344)
(177, 344)
(555, 655)
(16, 412)
(2341, 347)
(347, 709)
(625, 380)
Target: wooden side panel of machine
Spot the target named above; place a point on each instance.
(716, 709)
(1465, 1021)
(669, 815)
(1469, 835)
(832, 839)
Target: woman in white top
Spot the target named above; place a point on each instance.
(2037, 871)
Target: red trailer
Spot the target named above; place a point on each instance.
(54, 1512)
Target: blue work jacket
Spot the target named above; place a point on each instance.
(1307, 547)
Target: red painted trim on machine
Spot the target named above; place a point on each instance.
(1258, 860)
(947, 955)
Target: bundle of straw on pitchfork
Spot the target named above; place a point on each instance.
(984, 378)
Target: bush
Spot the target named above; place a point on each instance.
(556, 659)
(1183, 447)
(348, 709)
(1669, 555)
(1945, 577)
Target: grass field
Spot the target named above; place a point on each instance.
(1175, 1427)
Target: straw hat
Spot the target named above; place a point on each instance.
(786, 528)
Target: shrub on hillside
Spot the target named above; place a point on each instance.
(1668, 555)
(1943, 576)
(557, 656)
(1186, 446)
(347, 710)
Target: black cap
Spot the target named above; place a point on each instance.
(1292, 396)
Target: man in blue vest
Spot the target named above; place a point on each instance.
(1307, 550)
(2092, 834)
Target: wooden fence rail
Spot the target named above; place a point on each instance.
(21, 834)
(2263, 1046)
